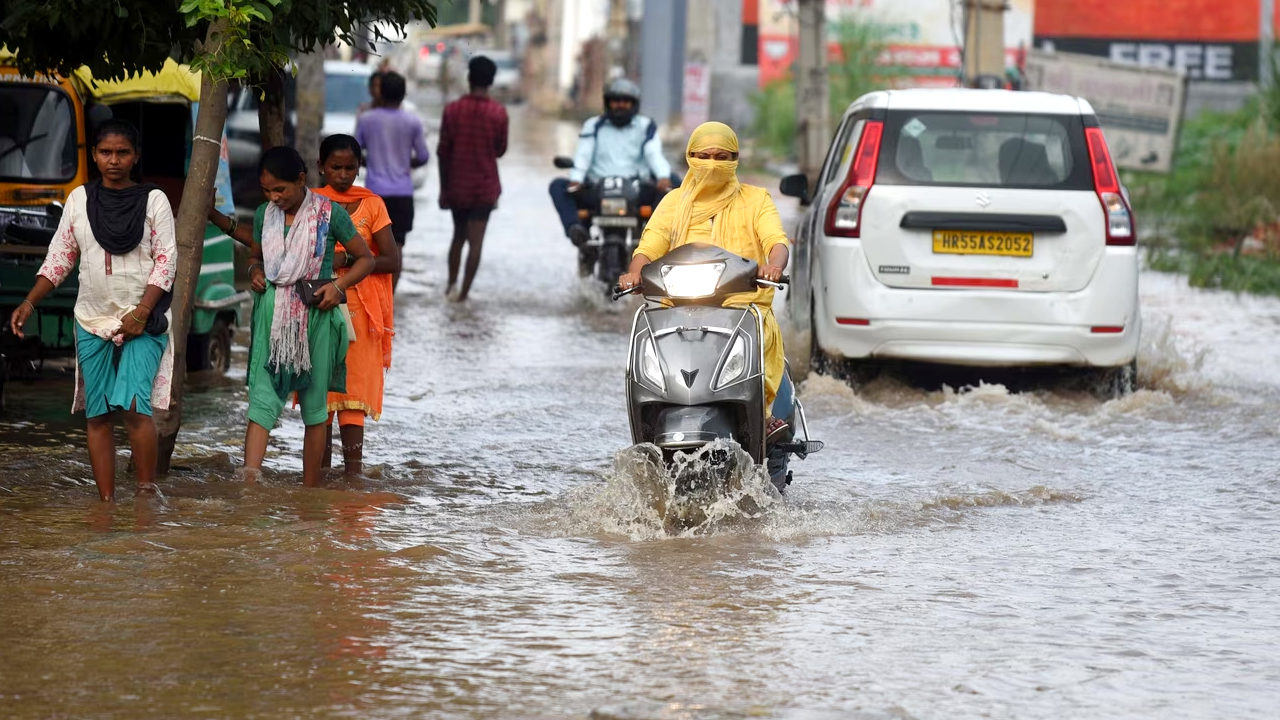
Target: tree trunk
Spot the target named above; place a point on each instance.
(206, 148)
(812, 104)
(310, 108)
(271, 110)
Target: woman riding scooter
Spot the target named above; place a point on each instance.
(711, 206)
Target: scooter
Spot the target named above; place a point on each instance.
(616, 209)
(695, 373)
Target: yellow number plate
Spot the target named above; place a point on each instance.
(973, 242)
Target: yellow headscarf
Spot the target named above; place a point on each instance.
(711, 186)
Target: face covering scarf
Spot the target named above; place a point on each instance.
(711, 186)
(287, 259)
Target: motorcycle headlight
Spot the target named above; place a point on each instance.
(692, 281)
(613, 206)
(735, 365)
(649, 365)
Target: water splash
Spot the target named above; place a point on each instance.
(1168, 362)
(824, 395)
(687, 495)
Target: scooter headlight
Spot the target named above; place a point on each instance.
(649, 365)
(613, 206)
(692, 281)
(735, 365)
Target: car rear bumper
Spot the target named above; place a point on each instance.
(856, 316)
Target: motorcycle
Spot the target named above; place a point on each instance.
(616, 209)
(695, 373)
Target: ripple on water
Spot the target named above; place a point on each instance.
(694, 711)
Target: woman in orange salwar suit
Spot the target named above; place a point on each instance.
(369, 302)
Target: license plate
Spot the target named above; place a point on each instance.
(606, 221)
(977, 242)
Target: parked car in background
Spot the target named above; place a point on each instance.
(346, 89)
(430, 61)
(967, 227)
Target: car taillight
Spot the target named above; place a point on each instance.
(844, 217)
(425, 52)
(1120, 230)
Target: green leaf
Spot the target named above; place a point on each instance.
(122, 11)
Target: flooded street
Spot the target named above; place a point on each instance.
(951, 554)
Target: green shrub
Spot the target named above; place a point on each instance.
(1224, 188)
(774, 129)
(853, 74)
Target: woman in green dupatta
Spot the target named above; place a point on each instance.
(297, 350)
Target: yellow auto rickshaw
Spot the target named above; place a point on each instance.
(46, 125)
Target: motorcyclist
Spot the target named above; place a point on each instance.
(619, 143)
(712, 206)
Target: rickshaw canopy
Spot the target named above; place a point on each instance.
(175, 82)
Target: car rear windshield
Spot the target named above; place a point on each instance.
(1011, 150)
(37, 135)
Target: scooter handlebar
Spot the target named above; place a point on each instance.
(619, 293)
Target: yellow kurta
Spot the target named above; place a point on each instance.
(750, 227)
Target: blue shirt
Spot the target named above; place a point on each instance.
(391, 139)
(606, 150)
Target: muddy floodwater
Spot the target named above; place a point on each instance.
(953, 553)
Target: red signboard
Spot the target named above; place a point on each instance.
(1213, 40)
(1196, 20)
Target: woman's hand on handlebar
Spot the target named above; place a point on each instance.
(772, 273)
(630, 280)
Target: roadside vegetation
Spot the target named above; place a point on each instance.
(1216, 217)
(855, 72)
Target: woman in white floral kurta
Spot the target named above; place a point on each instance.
(122, 235)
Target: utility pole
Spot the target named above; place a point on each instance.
(616, 39)
(474, 14)
(500, 39)
(1266, 43)
(813, 108)
(984, 43)
(662, 56)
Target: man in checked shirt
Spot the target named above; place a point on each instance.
(473, 135)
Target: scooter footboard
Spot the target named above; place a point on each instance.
(683, 427)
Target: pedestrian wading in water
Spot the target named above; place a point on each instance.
(473, 135)
(121, 232)
(299, 339)
(369, 301)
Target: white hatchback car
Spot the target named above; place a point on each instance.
(967, 227)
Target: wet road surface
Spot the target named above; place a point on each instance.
(951, 554)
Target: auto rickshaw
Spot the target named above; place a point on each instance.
(46, 125)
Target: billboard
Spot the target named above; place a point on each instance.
(1211, 40)
(921, 35)
(1139, 108)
